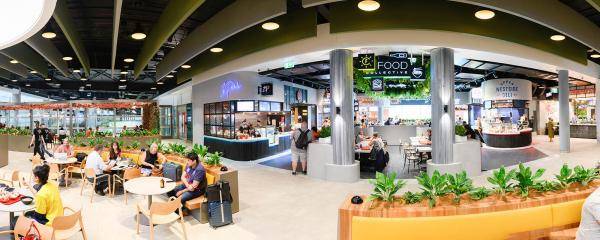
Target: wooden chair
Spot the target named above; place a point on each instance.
(162, 213)
(56, 173)
(89, 173)
(68, 226)
(129, 174)
(75, 169)
(22, 227)
(14, 177)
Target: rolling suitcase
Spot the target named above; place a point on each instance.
(219, 210)
(172, 171)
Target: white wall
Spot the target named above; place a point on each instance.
(211, 91)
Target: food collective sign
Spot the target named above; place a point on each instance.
(506, 89)
(396, 65)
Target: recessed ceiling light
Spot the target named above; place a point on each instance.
(67, 58)
(153, 88)
(88, 85)
(160, 83)
(83, 79)
(33, 71)
(128, 60)
(557, 37)
(270, 25)
(14, 61)
(27, 85)
(14, 80)
(138, 36)
(47, 79)
(368, 5)
(485, 14)
(595, 55)
(76, 71)
(216, 50)
(185, 66)
(124, 72)
(37, 91)
(170, 76)
(49, 35)
(122, 80)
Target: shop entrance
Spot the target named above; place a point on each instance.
(301, 112)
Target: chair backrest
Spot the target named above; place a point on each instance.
(132, 173)
(36, 160)
(90, 173)
(165, 208)
(54, 168)
(15, 176)
(82, 164)
(67, 222)
(23, 224)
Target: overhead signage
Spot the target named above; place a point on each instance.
(288, 65)
(377, 84)
(228, 87)
(266, 89)
(507, 89)
(366, 62)
(410, 101)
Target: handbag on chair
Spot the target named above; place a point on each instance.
(33, 233)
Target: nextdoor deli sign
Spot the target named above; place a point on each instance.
(506, 89)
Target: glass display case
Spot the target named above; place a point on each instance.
(224, 119)
(219, 119)
(505, 117)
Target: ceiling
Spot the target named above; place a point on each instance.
(92, 22)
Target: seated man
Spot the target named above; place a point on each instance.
(193, 179)
(65, 147)
(589, 227)
(94, 160)
(48, 204)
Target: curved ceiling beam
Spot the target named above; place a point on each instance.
(312, 3)
(45, 48)
(552, 14)
(14, 68)
(595, 4)
(26, 56)
(64, 20)
(170, 19)
(4, 74)
(231, 20)
(116, 21)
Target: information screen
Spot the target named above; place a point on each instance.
(245, 106)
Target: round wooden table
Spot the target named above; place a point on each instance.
(148, 186)
(61, 165)
(17, 207)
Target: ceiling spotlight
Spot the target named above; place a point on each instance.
(14, 80)
(27, 85)
(14, 61)
(153, 88)
(216, 50)
(67, 58)
(76, 71)
(170, 76)
(270, 26)
(128, 60)
(185, 66)
(122, 80)
(124, 72)
(485, 14)
(368, 5)
(83, 79)
(49, 35)
(160, 83)
(88, 85)
(37, 91)
(138, 33)
(557, 37)
(47, 79)
(33, 71)
(595, 55)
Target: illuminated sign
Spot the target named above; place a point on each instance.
(366, 61)
(266, 89)
(377, 84)
(396, 65)
(228, 87)
(288, 65)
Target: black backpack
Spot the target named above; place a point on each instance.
(302, 141)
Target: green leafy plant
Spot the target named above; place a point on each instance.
(134, 145)
(213, 159)
(480, 193)
(459, 184)
(177, 148)
(163, 148)
(433, 187)
(565, 177)
(412, 198)
(547, 186)
(502, 181)
(584, 176)
(460, 130)
(200, 150)
(526, 179)
(385, 187)
(325, 132)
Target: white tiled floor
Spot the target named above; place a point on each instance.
(274, 204)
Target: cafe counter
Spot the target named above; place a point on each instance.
(248, 149)
(583, 131)
(518, 139)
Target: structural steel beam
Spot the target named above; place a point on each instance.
(595, 4)
(231, 20)
(116, 21)
(47, 49)
(312, 3)
(64, 20)
(14, 68)
(171, 18)
(26, 56)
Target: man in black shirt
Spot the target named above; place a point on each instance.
(37, 140)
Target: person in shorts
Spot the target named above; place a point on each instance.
(300, 139)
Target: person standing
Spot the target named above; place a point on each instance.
(301, 137)
(37, 141)
(193, 181)
(550, 126)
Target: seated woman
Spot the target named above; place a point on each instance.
(48, 204)
(376, 142)
(65, 147)
(193, 180)
(150, 160)
(115, 151)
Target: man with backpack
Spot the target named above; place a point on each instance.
(301, 137)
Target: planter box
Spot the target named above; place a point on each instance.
(460, 139)
(3, 150)
(19, 143)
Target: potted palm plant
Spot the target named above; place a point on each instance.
(460, 133)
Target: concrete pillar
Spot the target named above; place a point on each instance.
(563, 108)
(598, 111)
(16, 96)
(343, 168)
(380, 104)
(442, 111)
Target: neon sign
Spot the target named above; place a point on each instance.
(228, 87)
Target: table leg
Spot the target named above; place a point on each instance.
(11, 220)
(61, 181)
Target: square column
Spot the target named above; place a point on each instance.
(564, 130)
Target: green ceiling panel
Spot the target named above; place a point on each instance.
(171, 18)
(451, 16)
(5, 74)
(28, 57)
(595, 4)
(294, 26)
(63, 18)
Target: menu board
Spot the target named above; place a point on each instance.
(245, 106)
(275, 107)
(264, 106)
